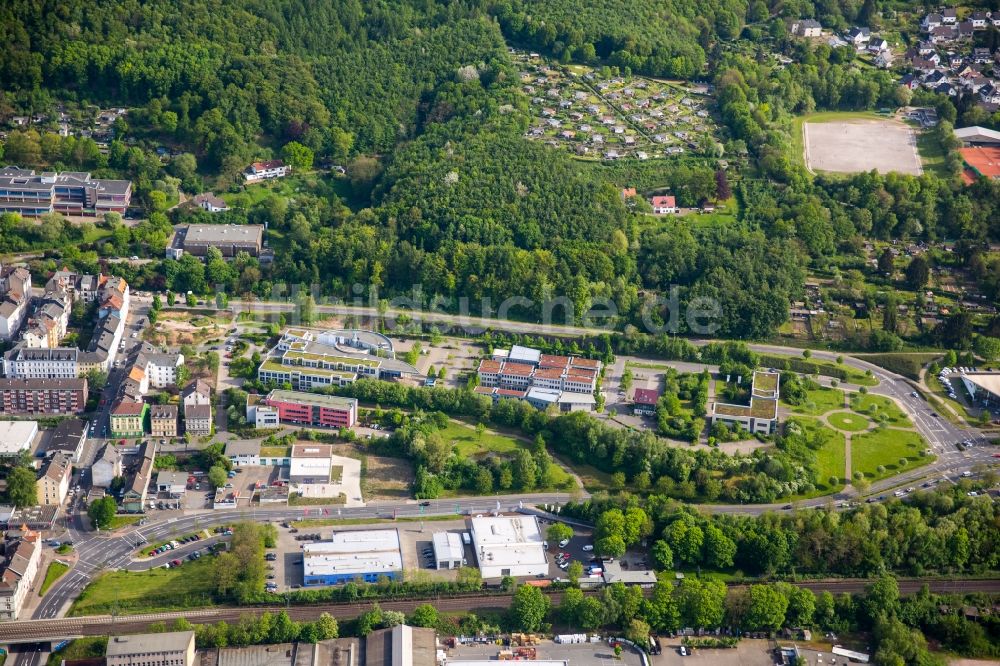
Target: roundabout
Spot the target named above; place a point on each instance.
(848, 421)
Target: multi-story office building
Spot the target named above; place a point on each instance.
(327, 411)
(70, 192)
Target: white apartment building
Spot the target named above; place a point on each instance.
(58, 363)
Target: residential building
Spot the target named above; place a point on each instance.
(106, 467)
(53, 480)
(15, 295)
(859, 37)
(21, 558)
(761, 415)
(243, 452)
(59, 363)
(71, 193)
(197, 392)
(198, 419)
(807, 28)
(949, 15)
(163, 421)
(68, 439)
(311, 409)
(664, 205)
(352, 555)
(16, 438)
(154, 369)
(259, 171)
(175, 648)
(43, 396)
(197, 402)
(128, 419)
(229, 239)
(311, 463)
(83, 287)
(509, 546)
(208, 201)
(134, 499)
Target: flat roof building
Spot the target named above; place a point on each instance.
(16, 437)
(43, 396)
(229, 239)
(313, 409)
(311, 463)
(509, 546)
(761, 415)
(173, 648)
(352, 555)
(70, 192)
(449, 552)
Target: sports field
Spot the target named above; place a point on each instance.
(861, 144)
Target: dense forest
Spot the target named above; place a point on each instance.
(421, 102)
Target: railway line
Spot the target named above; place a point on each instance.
(99, 625)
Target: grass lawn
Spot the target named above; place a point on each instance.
(885, 447)
(336, 473)
(275, 451)
(593, 479)
(831, 457)
(470, 444)
(88, 647)
(123, 521)
(296, 499)
(878, 408)
(52, 574)
(821, 400)
(932, 153)
(848, 421)
(188, 586)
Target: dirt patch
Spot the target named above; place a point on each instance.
(853, 146)
(186, 328)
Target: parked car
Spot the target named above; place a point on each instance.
(588, 548)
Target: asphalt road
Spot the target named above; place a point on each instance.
(100, 552)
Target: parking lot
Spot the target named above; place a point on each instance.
(582, 654)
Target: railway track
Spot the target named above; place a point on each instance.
(99, 625)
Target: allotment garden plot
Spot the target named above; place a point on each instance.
(615, 117)
(859, 144)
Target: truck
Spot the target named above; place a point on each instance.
(466, 538)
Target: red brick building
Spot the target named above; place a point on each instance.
(43, 396)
